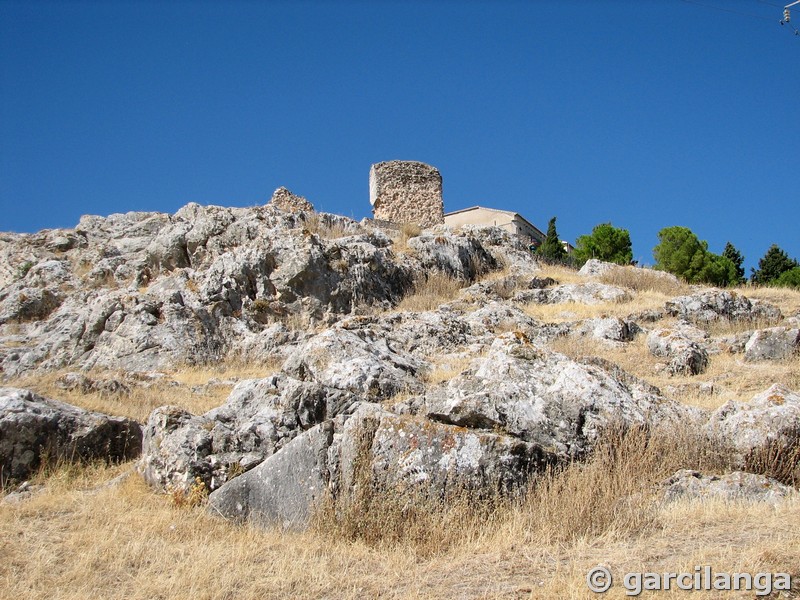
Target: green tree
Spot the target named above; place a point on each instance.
(732, 254)
(790, 278)
(607, 243)
(772, 265)
(552, 248)
(718, 270)
(681, 253)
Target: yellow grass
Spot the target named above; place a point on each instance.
(644, 280)
(787, 299)
(80, 539)
(430, 292)
(190, 387)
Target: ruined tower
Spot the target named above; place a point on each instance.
(404, 191)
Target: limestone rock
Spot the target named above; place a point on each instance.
(258, 418)
(732, 486)
(580, 293)
(684, 344)
(377, 448)
(712, 305)
(607, 329)
(594, 268)
(286, 200)
(771, 416)
(406, 192)
(284, 489)
(357, 361)
(539, 396)
(776, 343)
(33, 427)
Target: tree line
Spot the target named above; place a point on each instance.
(679, 251)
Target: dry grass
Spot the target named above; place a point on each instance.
(405, 233)
(78, 540)
(787, 299)
(644, 280)
(561, 273)
(431, 291)
(329, 229)
(447, 367)
(190, 387)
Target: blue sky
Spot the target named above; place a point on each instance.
(645, 113)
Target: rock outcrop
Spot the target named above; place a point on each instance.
(713, 305)
(35, 430)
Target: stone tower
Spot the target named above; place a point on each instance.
(404, 191)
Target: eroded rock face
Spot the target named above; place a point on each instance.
(688, 484)
(374, 447)
(34, 428)
(145, 291)
(713, 305)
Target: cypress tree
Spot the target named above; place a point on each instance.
(552, 248)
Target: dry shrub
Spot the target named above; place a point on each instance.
(385, 516)
(779, 459)
(328, 228)
(613, 492)
(644, 280)
(430, 291)
(407, 231)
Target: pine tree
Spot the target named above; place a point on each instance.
(607, 243)
(552, 249)
(732, 254)
(773, 264)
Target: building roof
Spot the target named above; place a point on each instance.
(496, 210)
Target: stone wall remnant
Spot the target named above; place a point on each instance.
(403, 191)
(286, 200)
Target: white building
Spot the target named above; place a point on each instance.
(506, 219)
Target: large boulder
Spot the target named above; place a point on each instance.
(356, 360)
(769, 418)
(259, 417)
(379, 449)
(578, 293)
(525, 390)
(34, 429)
(775, 343)
(609, 330)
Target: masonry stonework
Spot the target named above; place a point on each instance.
(403, 191)
(286, 200)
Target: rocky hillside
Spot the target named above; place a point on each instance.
(443, 359)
